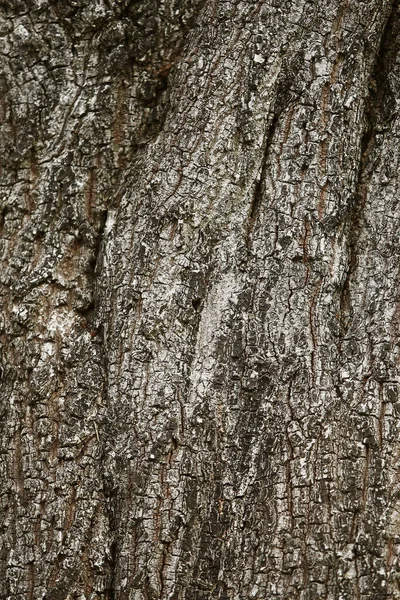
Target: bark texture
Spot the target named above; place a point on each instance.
(200, 300)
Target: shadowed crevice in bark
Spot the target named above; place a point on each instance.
(258, 188)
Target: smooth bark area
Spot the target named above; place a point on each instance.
(200, 308)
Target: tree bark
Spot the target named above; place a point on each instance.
(200, 313)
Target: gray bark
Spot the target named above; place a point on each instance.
(199, 295)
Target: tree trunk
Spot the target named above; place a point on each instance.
(200, 314)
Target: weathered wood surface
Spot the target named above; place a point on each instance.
(200, 300)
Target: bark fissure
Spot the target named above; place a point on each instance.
(257, 196)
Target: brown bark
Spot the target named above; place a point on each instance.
(199, 243)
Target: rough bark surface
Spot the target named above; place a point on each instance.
(199, 293)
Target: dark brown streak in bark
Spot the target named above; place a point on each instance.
(289, 460)
(357, 581)
(98, 246)
(31, 591)
(381, 419)
(374, 121)
(109, 501)
(365, 476)
(313, 302)
(18, 471)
